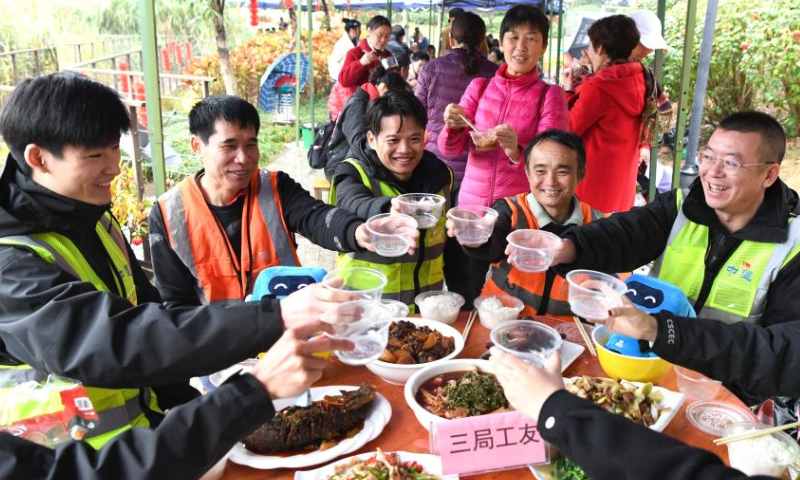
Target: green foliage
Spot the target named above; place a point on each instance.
(754, 61)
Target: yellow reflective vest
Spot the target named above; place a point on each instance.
(118, 409)
(739, 291)
(408, 275)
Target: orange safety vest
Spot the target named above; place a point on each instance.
(197, 237)
(529, 287)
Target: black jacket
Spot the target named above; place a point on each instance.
(350, 129)
(611, 447)
(626, 241)
(322, 224)
(187, 443)
(59, 324)
(430, 176)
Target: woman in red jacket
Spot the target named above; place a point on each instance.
(606, 111)
(359, 62)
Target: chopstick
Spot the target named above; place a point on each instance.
(586, 339)
(469, 123)
(754, 434)
(472, 316)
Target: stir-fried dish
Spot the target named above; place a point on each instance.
(409, 344)
(640, 404)
(381, 466)
(462, 394)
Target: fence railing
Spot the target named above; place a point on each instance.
(17, 65)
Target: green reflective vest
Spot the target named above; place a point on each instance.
(408, 275)
(739, 291)
(118, 409)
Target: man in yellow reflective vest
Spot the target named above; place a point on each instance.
(392, 161)
(730, 243)
(73, 299)
(213, 233)
(555, 162)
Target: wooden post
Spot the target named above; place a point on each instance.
(14, 72)
(206, 88)
(36, 64)
(138, 175)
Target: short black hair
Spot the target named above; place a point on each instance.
(378, 21)
(403, 60)
(617, 34)
(402, 103)
(525, 15)
(392, 79)
(350, 23)
(567, 139)
(773, 138)
(417, 56)
(454, 12)
(398, 31)
(232, 109)
(58, 110)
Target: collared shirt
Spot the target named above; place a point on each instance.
(543, 218)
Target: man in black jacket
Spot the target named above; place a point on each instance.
(85, 310)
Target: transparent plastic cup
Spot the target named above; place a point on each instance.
(533, 342)
(426, 208)
(391, 233)
(364, 323)
(592, 294)
(532, 250)
(473, 224)
(770, 454)
(364, 282)
(483, 141)
(696, 385)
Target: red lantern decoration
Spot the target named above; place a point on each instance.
(289, 4)
(254, 13)
(166, 60)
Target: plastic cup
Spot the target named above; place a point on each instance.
(473, 224)
(483, 141)
(533, 342)
(592, 294)
(364, 282)
(396, 307)
(532, 250)
(364, 323)
(494, 310)
(696, 385)
(766, 455)
(391, 233)
(426, 208)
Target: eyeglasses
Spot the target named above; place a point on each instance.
(730, 166)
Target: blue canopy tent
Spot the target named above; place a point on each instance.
(276, 77)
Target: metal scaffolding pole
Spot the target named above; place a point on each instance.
(311, 65)
(298, 45)
(147, 31)
(703, 67)
(389, 10)
(658, 69)
(559, 54)
(686, 77)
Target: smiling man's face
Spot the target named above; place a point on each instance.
(399, 145)
(230, 158)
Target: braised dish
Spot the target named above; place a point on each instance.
(322, 424)
(462, 394)
(641, 404)
(410, 344)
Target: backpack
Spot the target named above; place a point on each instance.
(318, 153)
(652, 117)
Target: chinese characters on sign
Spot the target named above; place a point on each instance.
(487, 442)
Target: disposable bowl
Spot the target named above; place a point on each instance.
(426, 208)
(443, 309)
(532, 250)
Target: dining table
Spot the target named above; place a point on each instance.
(404, 433)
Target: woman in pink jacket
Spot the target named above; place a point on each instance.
(514, 106)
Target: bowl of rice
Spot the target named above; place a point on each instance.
(496, 309)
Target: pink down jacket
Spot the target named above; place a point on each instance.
(526, 103)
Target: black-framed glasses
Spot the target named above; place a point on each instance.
(730, 166)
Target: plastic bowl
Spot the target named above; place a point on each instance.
(696, 385)
(532, 250)
(444, 309)
(424, 417)
(426, 208)
(592, 294)
(483, 141)
(533, 342)
(398, 308)
(473, 224)
(500, 308)
(398, 374)
(391, 233)
(624, 367)
(767, 455)
(364, 282)
(363, 322)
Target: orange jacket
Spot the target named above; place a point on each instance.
(197, 237)
(531, 288)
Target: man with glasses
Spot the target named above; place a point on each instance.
(730, 242)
